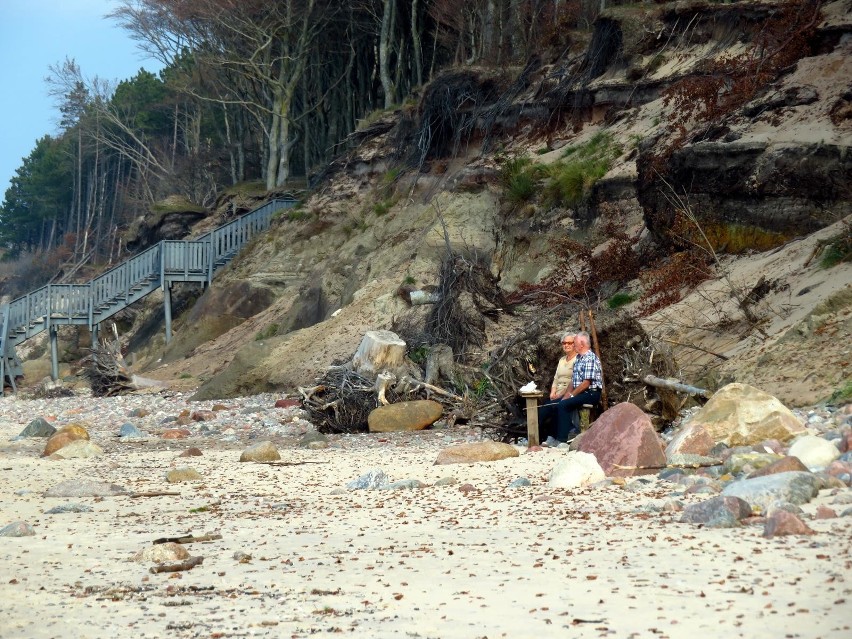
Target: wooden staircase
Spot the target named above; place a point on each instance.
(158, 266)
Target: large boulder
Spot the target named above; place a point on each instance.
(742, 415)
(575, 470)
(63, 437)
(404, 416)
(78, 449)
(624, 436)
(717, 512)
(814, 452)
(692, 439)
(783, 465)
(763, 492)
(476, 452)
(261, 452)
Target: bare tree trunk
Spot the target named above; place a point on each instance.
(416, 45)
(388, 20)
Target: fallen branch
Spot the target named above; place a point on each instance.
(697, 348)
(155, 493)
(417, 385)
(188, 539)
(650, 380)
(715, 462)
(291, 463)
(189, 564)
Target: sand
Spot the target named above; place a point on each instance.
(430, 562)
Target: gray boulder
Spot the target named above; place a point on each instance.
(39, 427)
(84, 488)
(762, 492)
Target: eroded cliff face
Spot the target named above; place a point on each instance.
(772, 169)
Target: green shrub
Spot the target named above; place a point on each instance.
(418, 355)
(382, 208)
(620, 299)
(840, 250)
(842, 395)
(572, 179)
(520, 178)
(266, 333)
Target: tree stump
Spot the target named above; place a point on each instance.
(379, 351)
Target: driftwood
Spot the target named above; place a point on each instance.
(155, 493)
(189, 564)
(382, 382)
(715, 462)
(188, 539)
(416, 385)
(656, 382)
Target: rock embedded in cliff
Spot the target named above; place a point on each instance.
(404, 416)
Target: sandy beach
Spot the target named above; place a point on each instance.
(301, 555)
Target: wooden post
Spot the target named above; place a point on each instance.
(95, 335)
(598, 353)
(532, 417)
(54, 353)
(167, 303)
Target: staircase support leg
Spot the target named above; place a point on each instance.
(167, 303)
(95, 335)
(3, 373)
(54, 353)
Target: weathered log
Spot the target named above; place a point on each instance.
(188, 539)
(680, 387)
(189, 564)
(415, 385)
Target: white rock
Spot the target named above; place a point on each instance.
(814, 452)
(575, 470)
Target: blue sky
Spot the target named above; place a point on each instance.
(35, 34)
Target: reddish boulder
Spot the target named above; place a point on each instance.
(783, 465)
(286, 403)
(781, 522)
(624, 436)
(203, 415)
(175, 433)
(693, 439)
(824, 512)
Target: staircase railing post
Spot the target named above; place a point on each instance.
(167, 293)
(4, 344)
(53, 334)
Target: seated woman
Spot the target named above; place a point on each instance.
(548, 411)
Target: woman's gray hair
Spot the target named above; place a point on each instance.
(568, 334)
